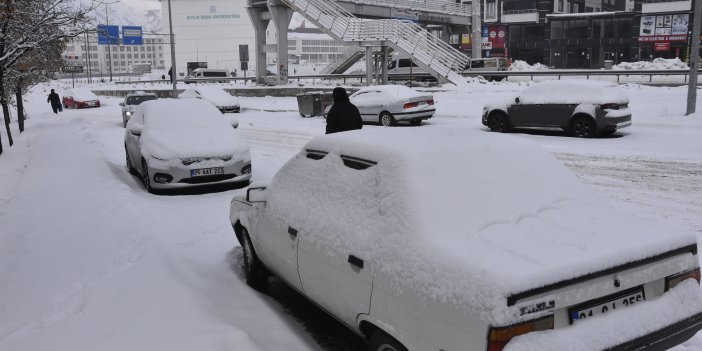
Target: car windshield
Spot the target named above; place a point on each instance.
(136, 100)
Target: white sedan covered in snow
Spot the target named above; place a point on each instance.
(426, 240)
(224, 101)
(181, 143)
(389, 104)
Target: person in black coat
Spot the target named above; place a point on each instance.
(343, 115)
(55, 101)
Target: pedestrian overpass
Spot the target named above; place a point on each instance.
(363, 25)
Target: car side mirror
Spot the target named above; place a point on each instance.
(256, 195)
(516, 99)
(134, 129)
(121, 104)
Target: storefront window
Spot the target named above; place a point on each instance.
(597, 29)
(557, 30)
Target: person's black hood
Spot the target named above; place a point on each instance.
(339, 95)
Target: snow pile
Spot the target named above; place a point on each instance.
(458, 241)
(657, 64)
(519, 65)
(178, 129)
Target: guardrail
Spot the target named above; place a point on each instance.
(518, 12)
(559, 74)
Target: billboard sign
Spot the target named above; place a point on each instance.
(108, 35)
(404, 14)
(132, 35)
(664, 28)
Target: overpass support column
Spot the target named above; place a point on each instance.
(369, 65)
(281, 15)
(260, 25)
(384, 64)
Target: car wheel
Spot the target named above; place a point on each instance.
(499, 122)
(416, 122)
(130, 168)
(583, 127)
(146, 178)
(384, 342)
(255, 273)
(387, 120)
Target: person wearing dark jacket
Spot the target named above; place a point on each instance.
(343, 115)
(55, 101)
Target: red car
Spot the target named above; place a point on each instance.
(80, 98)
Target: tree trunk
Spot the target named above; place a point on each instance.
(6, 113)
(20, 108)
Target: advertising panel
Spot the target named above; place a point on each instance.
(404, 14)
(496, 36)
(664, 28)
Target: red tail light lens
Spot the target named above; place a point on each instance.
(410, 105)
(430, 102)
(675, 279)
(498, 337)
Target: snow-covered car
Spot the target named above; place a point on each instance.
(80, 98)
(175, 143)
(224, 101)
(426, 240)
(389, 104)
(580, 107)
(131, 101)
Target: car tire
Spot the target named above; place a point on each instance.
(583, 127)
(386, 119)
(130, 168)
(254, 271)
(499, 122)
(416, 122)
(380, 341)
(146, 178)
(607, 132)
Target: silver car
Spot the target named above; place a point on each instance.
(389, 104)
(173, 143)
(131, 101)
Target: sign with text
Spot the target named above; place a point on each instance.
(108, 35)
(73, 68)
(132, 36)
(664, 28)
(404, 14)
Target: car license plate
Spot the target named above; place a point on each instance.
(607, 304)
(206, 171)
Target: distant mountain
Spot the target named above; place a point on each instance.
(145, 13)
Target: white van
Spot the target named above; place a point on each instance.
(207, 74)
(402, 66)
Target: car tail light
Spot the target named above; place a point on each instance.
(411, 105)
(675, 279)
(498, 337)
(430, 102)
(609, 106)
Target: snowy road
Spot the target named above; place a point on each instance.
(89, 260)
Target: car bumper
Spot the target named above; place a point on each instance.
(665, 338)
(179, 175)
(411, 116)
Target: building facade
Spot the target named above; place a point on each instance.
(585, 33)
(124, 59)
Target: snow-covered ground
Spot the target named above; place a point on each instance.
(89, 260)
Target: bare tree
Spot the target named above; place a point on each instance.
(32, 27)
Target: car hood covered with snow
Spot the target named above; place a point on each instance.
(188, 128)
(463, 217)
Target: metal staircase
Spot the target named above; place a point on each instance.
(347, 58)
(428, 51)
(433, 6)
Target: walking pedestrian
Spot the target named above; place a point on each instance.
(170, 74)
(55, 101)
(343, 115)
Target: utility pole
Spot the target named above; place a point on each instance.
(476, 36)
(109, 47)
(87, 57)
(174, 71)
(694, 58)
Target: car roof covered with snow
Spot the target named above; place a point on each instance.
(81, 94)
(399, 91)
(458, 215)
(570, 91)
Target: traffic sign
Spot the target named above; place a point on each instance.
(244, 65)
(73, 68)
(132, 36)
(243, 52)
(108, 35)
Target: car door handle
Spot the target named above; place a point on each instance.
(292, 231)
(356, 261)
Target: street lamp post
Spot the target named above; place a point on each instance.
(174, 71)
(694, 58)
